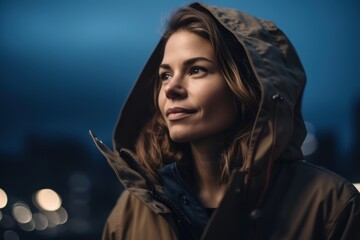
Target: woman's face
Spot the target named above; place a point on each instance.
(194, 98)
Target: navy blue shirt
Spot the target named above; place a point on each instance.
(179, 191)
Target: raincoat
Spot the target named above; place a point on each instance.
(273, 195)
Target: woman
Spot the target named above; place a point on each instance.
(213, 150)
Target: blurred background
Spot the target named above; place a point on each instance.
(67, 66)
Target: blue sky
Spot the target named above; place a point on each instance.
(67, 66)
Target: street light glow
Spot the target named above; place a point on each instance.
(48, 200)
(3, 198)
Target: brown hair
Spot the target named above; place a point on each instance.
(154, 146)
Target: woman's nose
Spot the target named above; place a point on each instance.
(175, 89)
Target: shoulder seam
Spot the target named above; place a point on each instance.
(322, 169)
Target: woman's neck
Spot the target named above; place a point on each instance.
(207, 173)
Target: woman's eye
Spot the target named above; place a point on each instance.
(197, 70)
(164, 76)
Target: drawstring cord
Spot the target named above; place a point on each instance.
(277, 98)
(256, 213)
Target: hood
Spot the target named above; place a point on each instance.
(279, 130)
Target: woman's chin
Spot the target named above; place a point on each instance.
(181, 137)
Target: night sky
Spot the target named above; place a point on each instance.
(67, 66)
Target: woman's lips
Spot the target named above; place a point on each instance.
(178, 113)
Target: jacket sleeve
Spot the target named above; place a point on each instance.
(346, 226)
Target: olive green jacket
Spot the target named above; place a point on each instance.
(274, 194)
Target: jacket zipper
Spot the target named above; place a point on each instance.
(178, 213)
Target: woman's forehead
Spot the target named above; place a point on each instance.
(183, 45)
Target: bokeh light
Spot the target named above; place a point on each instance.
(310, 143)
(28, 227)
(11, 235)
(21, 212)
(41, 222)
(47, 199)
(53, 218)
(63, 215)
(3, 198)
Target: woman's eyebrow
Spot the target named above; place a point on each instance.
(196, 59)
(165, 66)
(188, 62)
